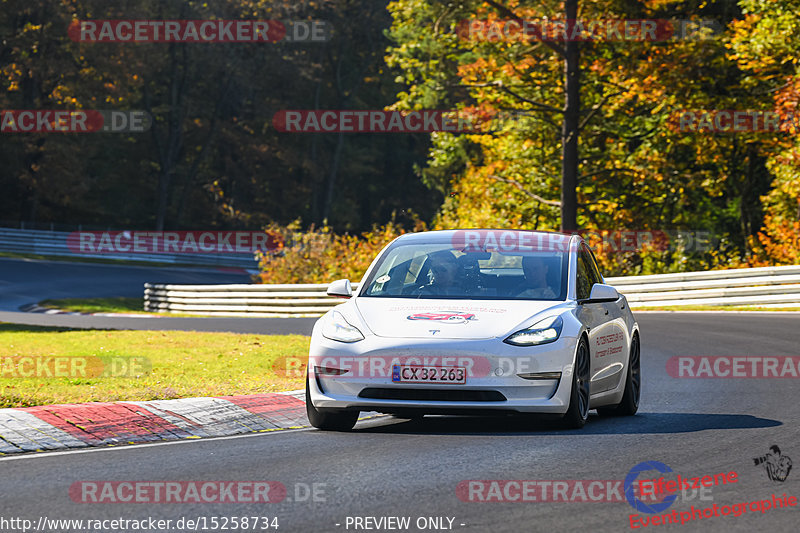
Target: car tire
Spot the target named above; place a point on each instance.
(633, 385)
(578, 411)
(329, 419)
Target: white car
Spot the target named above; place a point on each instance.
(475, 322)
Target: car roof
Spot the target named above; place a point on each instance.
(445, 236)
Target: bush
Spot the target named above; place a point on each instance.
(320, 256)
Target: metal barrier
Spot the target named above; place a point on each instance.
(240, 300)
(767, 287)
(54, 244)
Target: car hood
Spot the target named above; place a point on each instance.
(450, 319)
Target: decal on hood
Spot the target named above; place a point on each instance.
(448, 317)
(447, 308)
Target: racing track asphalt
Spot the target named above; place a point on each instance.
(26, 281)
(393, 467)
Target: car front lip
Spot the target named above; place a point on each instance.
(496, 367)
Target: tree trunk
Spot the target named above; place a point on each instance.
(569, 132)
(169, 146)
(337, 156)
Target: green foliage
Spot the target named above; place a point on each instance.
(637, 170)
(213, 158)
(320, 256)
(765, 44)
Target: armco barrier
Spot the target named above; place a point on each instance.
(54, 244)
(240, 300)
(766, 287)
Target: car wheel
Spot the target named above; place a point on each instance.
(578, 410)
(329, 419)
(633, 386)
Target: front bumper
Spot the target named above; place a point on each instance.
(493, 382)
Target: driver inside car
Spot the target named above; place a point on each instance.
(535, 284)
(445, 273)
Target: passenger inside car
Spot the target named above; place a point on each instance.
(536, 284)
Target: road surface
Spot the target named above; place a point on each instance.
(391, 467)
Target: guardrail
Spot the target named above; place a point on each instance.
(767, 287)
(54, 244)
(240, 300)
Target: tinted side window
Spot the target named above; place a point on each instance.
(583, 286)
(591, 265)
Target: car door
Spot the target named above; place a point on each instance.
(610, 349)
(592, 315)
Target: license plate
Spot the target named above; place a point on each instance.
(453, 375)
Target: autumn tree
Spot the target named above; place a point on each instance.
(765, 44)
(635, 170)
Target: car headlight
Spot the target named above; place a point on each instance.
(542, 332)
(337, 328)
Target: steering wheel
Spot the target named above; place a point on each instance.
(421, 291)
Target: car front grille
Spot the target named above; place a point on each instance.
(432, 395)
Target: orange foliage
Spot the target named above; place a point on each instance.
(319, 256)
(780, 243)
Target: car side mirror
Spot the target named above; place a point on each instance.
(340, 289)
(602, 293)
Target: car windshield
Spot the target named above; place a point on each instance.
(440, 271)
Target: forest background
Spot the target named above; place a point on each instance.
(214, 160)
